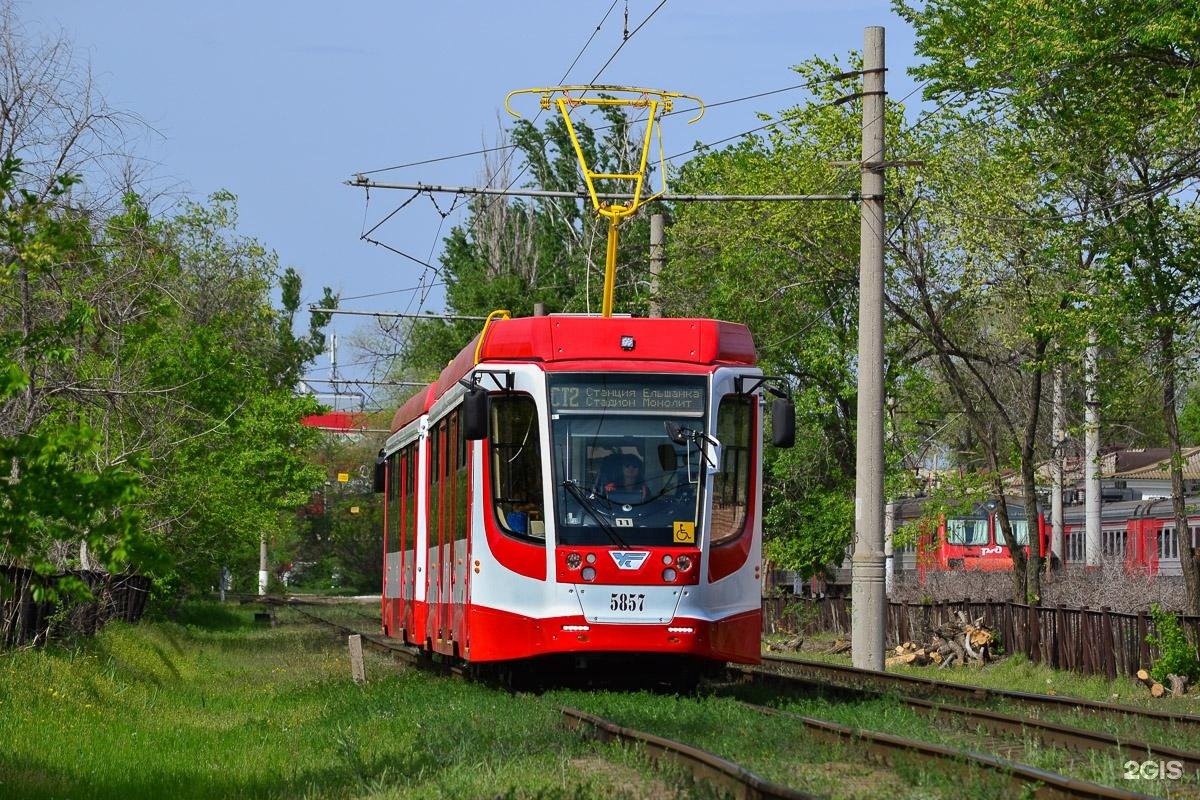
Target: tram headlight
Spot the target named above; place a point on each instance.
(669, 575)
(574, 561)
(591, 558)
(667, 559)
(588, 574)
(684, 563)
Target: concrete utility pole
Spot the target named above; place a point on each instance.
(656, 261)
(867, 583)
(262, 565)
(889, 548)
(1091, 444)
(1058, 436)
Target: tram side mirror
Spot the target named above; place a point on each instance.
(783, 422)
(380, 484)
(476, 410)
(675, 432)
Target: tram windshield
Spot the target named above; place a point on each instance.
(619, 476)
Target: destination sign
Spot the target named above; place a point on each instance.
(674, 398)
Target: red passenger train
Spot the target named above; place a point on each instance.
(582, 487)
(972, 541)
(1139, 533)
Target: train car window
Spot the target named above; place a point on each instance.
(1020, 529)
(516, 464)
(731, 485)
(966, 531)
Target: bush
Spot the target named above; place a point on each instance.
(1176, 655)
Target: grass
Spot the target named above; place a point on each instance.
(778, 748)
(218, 707)
(214, 705)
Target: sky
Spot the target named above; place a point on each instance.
(281, 103)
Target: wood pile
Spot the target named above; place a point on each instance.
(960, 642)
(1178, 684)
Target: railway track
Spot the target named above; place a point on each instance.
(913, 686)
(884, 748)
(1080, 742)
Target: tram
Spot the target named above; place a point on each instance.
(583, 487)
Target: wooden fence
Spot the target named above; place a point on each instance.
(1089, 641)
(24, 620)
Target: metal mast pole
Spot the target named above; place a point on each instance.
(867, 587)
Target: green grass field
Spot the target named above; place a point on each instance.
(217, 707)
(214, 705)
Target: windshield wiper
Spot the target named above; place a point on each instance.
(581, 497)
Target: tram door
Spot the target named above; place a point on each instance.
(441, 494)
(456, 524)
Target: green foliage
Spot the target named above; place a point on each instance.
(1111, 74)
(1176, 655)
(788, 271)
(809, 531)
(54, 491)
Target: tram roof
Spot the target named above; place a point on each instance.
(580, 339)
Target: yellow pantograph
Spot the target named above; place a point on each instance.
(656, 102)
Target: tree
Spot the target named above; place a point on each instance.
(789, 271)
(1105, 102)
(53, 493)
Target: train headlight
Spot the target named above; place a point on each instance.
(667, 559)
(574, 561)
(684, 563)
(591, 558)
(588, 574)
(669, 575)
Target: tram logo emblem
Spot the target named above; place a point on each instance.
(629, 559)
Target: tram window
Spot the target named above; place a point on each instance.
(731, 485)
(517, 467)
(966, 531)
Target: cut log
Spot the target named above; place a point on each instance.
(1157, 690)
(918, 659)
(840, 646)
(1144, 677)
(1178, 685)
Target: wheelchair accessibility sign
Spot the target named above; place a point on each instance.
(685, 532)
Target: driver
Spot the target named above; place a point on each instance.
(631, 478)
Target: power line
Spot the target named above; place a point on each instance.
(397, 314)
(625, 41)
(581, 195)
(388, 291)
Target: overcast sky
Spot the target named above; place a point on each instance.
(282, 102)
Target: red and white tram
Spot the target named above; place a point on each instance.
(587, 487)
